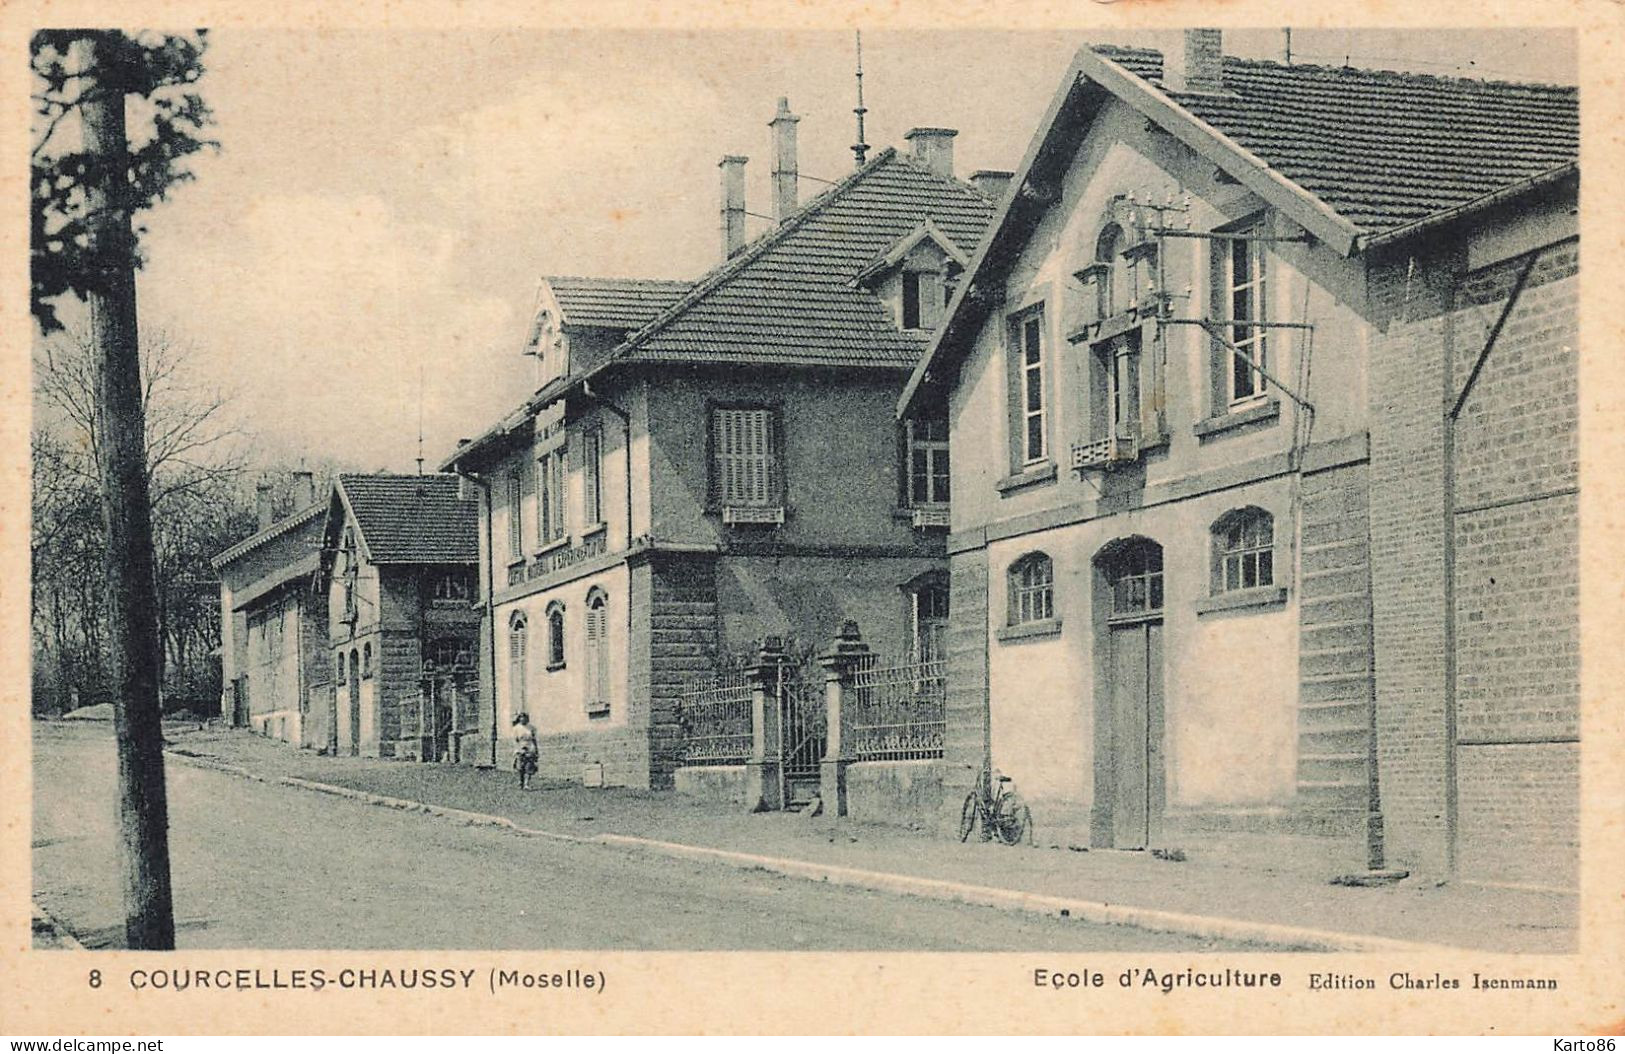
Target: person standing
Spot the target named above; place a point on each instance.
(525, 749)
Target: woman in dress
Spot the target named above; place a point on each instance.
(525, 750)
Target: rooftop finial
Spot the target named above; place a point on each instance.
(860, 149)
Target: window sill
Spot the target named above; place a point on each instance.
(587, 532)
(1265, 411)
(1032, 476)
(1050, 627)
(1100, 329)
(554, 666)
(598, 712)
(546, 547)
(1236, 599)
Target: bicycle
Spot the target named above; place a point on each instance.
(1003, 815)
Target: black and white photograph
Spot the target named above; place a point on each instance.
(1103, 495)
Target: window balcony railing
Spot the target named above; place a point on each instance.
(930, 517)
(752, 514)
(1107, 452)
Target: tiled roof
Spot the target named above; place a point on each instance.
(413, 519)
(613, 303)
(259, 538)
(1382, 149)
(789, 298)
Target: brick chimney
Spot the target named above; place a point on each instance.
(304, 490)
(1195, 63)
(934, 148)
(784, 161)
(262, 504)
(733, 204)
(992, 182)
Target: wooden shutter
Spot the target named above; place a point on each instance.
(516, 667)
(597, 655)
(746, 456)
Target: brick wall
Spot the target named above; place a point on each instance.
(1511, 625)
(395, 684)
(683, 644)
(966, 708)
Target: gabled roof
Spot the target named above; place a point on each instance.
(1355, 157)
(1382, 149)
(612, 303)
(788, 298)
(408, 519)
(276, 530)
(893, 255)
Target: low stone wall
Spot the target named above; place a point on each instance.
(901, 793)
(718, 784)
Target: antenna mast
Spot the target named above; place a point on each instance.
(420, 418)
(860, 149)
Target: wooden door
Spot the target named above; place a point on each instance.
(1136, 722)
(355, 704)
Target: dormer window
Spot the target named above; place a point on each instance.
(1109, 292)
(911, 299)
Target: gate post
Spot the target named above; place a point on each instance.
(839, 663)
(764, 790)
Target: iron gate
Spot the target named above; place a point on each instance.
(802, 731)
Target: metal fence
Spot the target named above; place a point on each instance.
(895, 713)
(714, 721)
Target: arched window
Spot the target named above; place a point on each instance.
(1243, 550)
(516, 663)
(1134, 573)
(1032, 589)
(338, 667)
(597, 636)
(366, 660)
(555, 636)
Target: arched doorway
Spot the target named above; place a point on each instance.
(355, 703)
(1130, 780)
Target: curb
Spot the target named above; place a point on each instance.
(1210, 927)
(44, 920)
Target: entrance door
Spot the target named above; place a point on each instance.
(1136, 708)
(355, 704)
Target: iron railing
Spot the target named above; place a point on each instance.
(714, 721)
(895, 713)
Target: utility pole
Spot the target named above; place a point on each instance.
(127, 513)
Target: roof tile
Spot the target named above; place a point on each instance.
(413, 519)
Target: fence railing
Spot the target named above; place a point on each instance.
(895, 712)
(714, 721)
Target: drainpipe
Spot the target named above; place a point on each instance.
(626, 448)
(490, 596)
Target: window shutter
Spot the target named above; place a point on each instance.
(746, 451)
(597, 655)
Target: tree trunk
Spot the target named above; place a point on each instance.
(132, 609)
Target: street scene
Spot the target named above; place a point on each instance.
(667, 499)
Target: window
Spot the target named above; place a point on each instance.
(592, 487)
(1245, 304)
(1032, 589)
(927, 460)
(911, 300)
(516, 537)
(1028, 338)
(516, 663)
(550, 505)
(453, 586)
(597, 652)
(555, 636)
(930, 611)
(1110, 289)
(338, 668)
(1243, 550)
(745, 470)
(1117, 363)
(1135, 575)
(366, 660)
(351, 571)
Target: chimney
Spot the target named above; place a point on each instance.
(784, 161)
(934, 148)
(992, 182)
(262, 504)
(304, 490)
(733, 204)
(1195, 63)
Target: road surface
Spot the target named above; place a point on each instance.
(269, 866)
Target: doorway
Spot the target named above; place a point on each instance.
(355, 704)
(1130, 778)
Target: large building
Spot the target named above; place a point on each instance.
(273, 629)
(397, 574)
(708, 464)
(1262, 402)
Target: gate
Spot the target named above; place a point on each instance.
(802, 732)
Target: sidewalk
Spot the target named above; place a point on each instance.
(1227, 881)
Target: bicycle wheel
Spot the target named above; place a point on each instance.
(1010, 818)
(967, 816)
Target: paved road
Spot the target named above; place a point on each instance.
(268, 866)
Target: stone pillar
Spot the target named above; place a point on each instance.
(764, 790)
(840, 662)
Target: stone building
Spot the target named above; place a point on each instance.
(707, 464)
(1262, 407)
(397, 575)
(273, 628)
